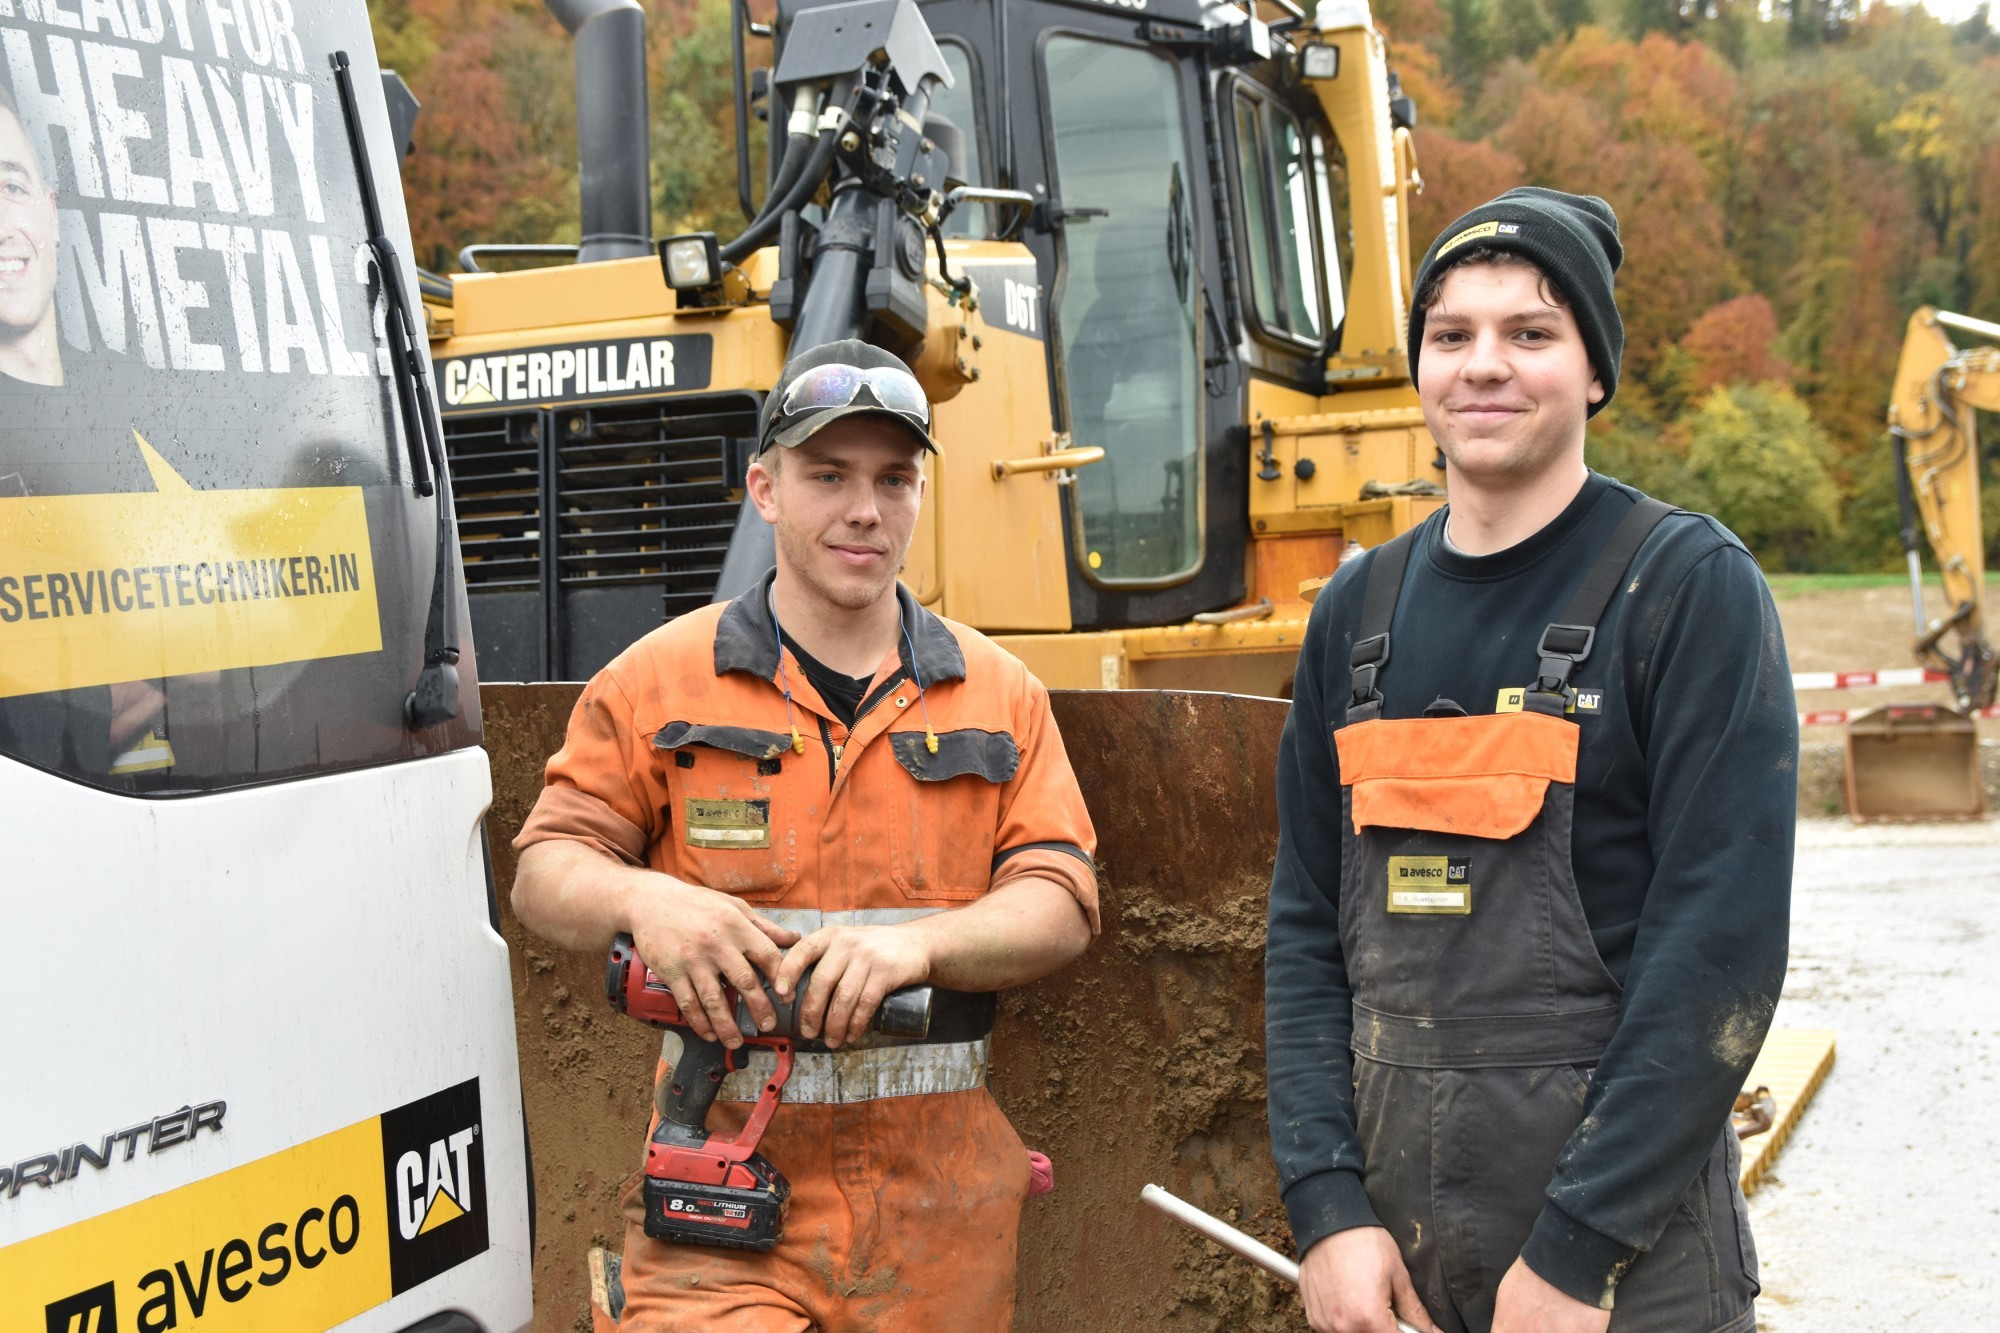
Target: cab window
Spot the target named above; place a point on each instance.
(1282, 184)
(959, 104)
(1128, 315)
(1330, 181)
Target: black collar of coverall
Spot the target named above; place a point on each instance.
(746, 638)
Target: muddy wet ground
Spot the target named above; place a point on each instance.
(1884, 1209)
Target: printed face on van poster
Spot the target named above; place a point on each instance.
(177, 195)
(203, 457)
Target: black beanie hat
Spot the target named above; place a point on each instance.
(1571, 237)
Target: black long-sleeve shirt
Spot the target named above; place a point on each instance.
(1686, 796)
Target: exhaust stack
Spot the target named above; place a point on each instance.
(613, 136)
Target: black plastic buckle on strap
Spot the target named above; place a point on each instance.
(1562, 647)
(1365, 663)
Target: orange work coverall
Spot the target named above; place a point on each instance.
(907, 1179)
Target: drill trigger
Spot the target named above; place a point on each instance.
(739, 1148)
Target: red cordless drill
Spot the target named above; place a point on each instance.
(710, 1190)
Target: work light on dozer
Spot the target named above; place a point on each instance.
(691, 261)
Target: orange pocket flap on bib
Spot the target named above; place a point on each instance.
(1484, 777)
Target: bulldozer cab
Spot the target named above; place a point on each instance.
(1185, 236)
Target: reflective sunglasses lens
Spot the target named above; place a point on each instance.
(899, 391)
(823, 386)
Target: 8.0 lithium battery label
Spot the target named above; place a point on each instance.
(303, 1239)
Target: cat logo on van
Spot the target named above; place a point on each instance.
(435, 1178)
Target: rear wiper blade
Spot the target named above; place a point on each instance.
(434, 700)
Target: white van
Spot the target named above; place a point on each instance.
(260, 1066)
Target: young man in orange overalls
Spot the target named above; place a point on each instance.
(822, 771)
(1528, 919)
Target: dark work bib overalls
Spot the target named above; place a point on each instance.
(1481, 1005)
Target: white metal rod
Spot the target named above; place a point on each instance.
(1967, 324)
(1219, 1231)
(1917, 589)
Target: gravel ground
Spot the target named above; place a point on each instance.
(1883, 1211)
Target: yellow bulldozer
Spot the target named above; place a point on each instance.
(1151, 260)
(1152, 263)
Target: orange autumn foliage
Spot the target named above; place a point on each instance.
(1733, 343)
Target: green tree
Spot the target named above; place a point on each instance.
(1768, 468)
(694, 131)
(1628, 441)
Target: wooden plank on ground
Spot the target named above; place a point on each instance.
(1793, 1063)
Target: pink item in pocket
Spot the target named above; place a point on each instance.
(1041, 1174)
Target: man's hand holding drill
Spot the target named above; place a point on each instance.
(697, 940)
(858, 966)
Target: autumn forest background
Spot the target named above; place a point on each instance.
(1793, 177)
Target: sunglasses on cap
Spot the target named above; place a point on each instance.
(838, 386)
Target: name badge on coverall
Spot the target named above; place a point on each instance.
(1431, 885)
(718, 823)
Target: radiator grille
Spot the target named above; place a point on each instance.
(644, 495)
(497, 492)
(583, 528)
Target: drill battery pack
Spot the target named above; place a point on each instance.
(737, 1218)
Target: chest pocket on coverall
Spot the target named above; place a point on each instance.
(943, 840)
(731, 821)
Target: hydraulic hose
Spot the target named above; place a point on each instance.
(792, 155)
(797, 149)
(845, 95)
(801, 190)
(1906, 504)
(789, 160)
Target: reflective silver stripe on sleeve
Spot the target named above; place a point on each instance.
(875, 1067)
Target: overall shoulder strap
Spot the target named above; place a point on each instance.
(1568, 641)
(1371, 636)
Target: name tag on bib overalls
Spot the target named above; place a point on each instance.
(1431, 885)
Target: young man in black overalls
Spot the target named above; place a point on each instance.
(1528, 920)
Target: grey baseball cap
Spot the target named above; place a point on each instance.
(881, 384)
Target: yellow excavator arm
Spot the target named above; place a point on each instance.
(1933, 423)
